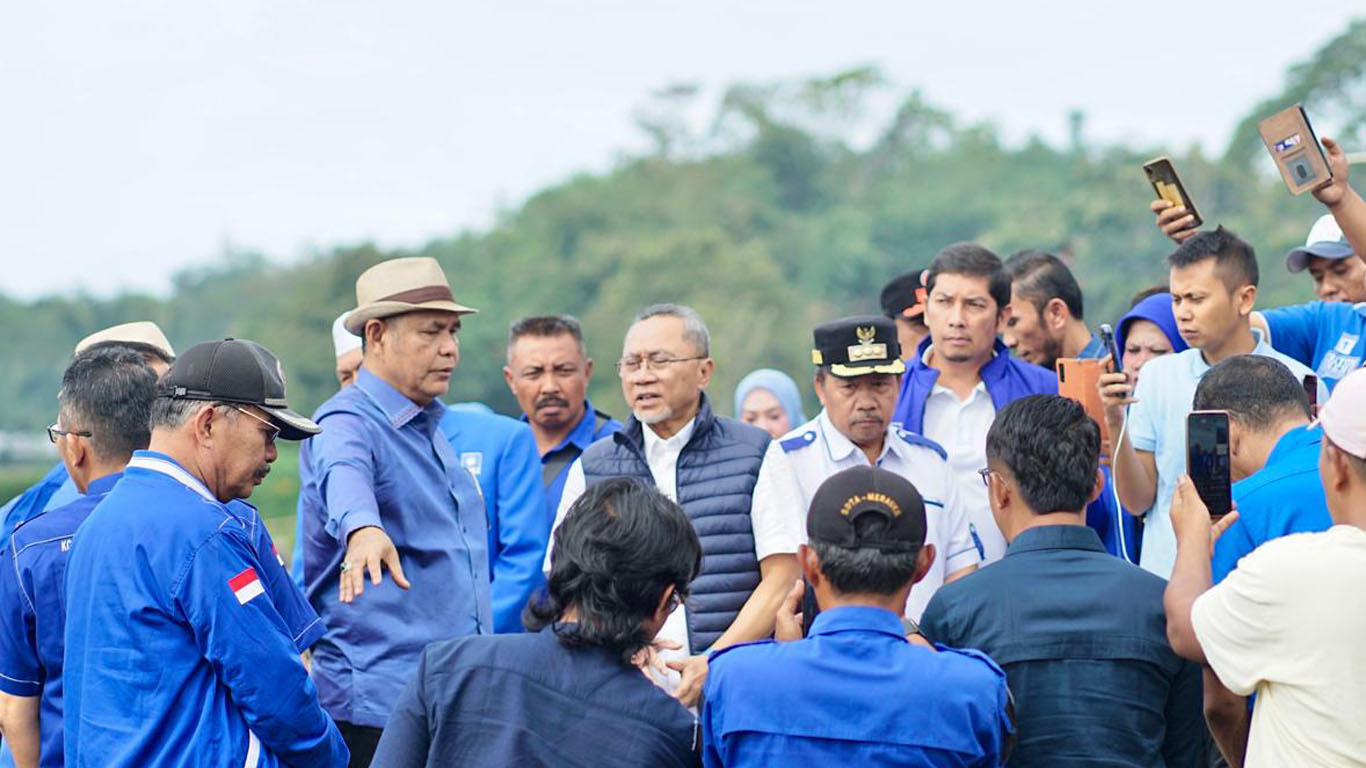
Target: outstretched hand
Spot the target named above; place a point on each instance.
(368, 549)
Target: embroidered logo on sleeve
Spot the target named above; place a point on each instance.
(246, 586)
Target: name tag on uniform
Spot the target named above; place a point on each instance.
(1346, 343)
(472, 461)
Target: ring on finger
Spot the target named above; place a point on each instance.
(346, 566)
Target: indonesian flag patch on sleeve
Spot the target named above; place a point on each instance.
(246, 585)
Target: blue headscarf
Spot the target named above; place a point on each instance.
(1156, 309)
(781, 385)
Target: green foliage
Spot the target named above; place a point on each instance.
(772, 220)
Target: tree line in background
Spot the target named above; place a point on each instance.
(769, 221)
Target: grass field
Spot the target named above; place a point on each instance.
(276, 498)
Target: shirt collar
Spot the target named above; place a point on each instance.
(160, 463)
(1095, 348)
(1055, 537)
(839, 447)
(395, 405)
(1294, 438)
(654, 443)
(857, 617)
(1199, 365)
(102, 484)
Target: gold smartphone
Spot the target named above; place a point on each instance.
(1292, 144)
(1168, 186)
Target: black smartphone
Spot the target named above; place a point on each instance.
(1168, 186)
(1107, 337)
(810, 608)
(1207, 460)
(1311, 391)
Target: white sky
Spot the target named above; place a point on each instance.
(138, 138)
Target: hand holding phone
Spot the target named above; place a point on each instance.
(1208, 462)
(1177, 216)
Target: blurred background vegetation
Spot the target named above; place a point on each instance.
(789, 208)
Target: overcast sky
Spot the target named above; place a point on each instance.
(138, 138)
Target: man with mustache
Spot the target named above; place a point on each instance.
(962, 375)
(382, 489)
(858, 376)
(175, 645)
(708, 464)
(548, 371)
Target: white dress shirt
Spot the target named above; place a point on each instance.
(796, 465)
(961, 427)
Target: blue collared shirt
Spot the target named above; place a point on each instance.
(1284, 497)
(853, 693)
(382, 461)
(584, 434)
(1082, 637)
(54, 490)
(31, 610)
(175, 653)
(501, 454)
(531, 700)
(1328, 336)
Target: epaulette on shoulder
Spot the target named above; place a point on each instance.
(924, 442)
(800, 441)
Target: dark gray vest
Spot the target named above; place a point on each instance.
(717, 470)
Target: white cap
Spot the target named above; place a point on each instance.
(144, 332)
(1343, 418)
(343, 340)
(1325, 241)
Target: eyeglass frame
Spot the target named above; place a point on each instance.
(54, 431)
(985, 473)
(650, 363)
(275, 431)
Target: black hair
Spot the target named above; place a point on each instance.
(108, 391)
(865, 570)
(1051, 447)
(545, 326)
(1151, 290)
(1040, 277)
(1258, 392)
(1234, 259)
(142, 348)
(616, 551)
(972, 259)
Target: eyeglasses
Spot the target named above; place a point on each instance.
(985, 473)
(54, 432)
(274, 430)
(654, 362)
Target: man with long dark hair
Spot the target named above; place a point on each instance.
(567, 694)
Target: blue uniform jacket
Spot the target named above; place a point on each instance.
(501, 454)
(175, 654)
(1006, 378)
(54, 490)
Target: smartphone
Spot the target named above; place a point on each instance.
(1207, 460)
(1311, 390)
(1107, 337)
(1079, 380)
(1168, 186)
(1292, 144)
(810, 609)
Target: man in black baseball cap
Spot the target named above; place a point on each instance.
(237, 372)
(903, 300)
(795, 697)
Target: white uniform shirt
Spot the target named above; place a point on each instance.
(795, 466)
(961, 427)
(1288, 625)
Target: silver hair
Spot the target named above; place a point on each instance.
(173, 412)
(694, 330)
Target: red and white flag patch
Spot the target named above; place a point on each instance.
(246, 585)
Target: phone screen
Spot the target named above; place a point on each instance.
(1207, 460)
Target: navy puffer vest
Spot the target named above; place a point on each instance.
(717, 470)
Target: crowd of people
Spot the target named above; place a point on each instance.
(950, 564)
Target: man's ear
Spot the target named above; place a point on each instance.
(1246, 299)
(708, 366)
(77, 450)
(662, 609)
(810, 564)
(923, 562)
(507, 377)
(1099, 486)
(1056, 313)
(203, 422)
(374, 332)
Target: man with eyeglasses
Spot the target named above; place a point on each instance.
(709, 465)
(175, 644)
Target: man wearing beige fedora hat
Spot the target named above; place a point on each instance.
(381, 489)
(56, 488)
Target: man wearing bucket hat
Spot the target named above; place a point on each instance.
(56, 488)
(175, 644)
(382, 489)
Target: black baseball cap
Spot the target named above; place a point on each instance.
(858, 346)
(236, 371)
(848, 495)
(904, 295)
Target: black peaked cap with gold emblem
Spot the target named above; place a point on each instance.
(858, 346)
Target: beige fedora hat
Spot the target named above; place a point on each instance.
(143, 332)
(398, 286)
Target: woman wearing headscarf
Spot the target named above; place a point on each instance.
(769, 399)
(1146, 331)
